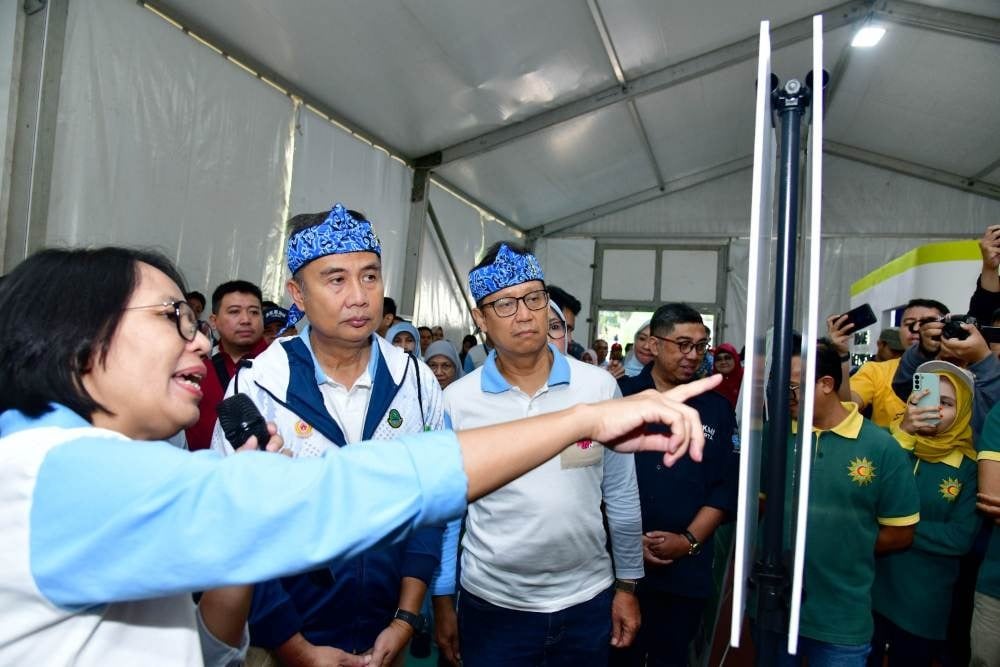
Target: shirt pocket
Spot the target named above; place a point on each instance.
(581, 454)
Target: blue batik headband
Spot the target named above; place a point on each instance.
(340, 233)
(507, 270)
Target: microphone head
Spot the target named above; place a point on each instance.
(240, 419)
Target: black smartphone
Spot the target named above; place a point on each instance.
(991, 334)
(861, 317)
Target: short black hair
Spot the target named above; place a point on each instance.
(669, 315)
(59, 310)
(565, 299)
(241, 286)
(388, 307)
(491, 256)
(196, 295)
(827, 359)
(828, 362)
(927, 303)
(469, 337)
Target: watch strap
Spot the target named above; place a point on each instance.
(695, 547)
(626, 585)
(415, 621)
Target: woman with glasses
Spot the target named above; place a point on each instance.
(557, 326)
(107, 528)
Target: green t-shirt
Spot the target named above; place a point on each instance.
(989, 450)
(861, 478)
(913, 587)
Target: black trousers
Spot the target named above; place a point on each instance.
(669, 623)
(905, 649)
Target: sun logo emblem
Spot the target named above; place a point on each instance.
(862, 471)
(950, 488)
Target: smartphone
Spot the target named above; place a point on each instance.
(991, 334)
(861, 317)
(932, 383)
(616, 352)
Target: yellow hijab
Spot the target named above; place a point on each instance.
(957, 437)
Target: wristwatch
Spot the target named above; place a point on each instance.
(695, 547)
(416, 621)
(626, 585)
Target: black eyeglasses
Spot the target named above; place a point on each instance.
(506, 306)
(685, 346)
(182, 315)
(914, 325)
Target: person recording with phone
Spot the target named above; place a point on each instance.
(107, 529)
(954, 338)
(912, 620)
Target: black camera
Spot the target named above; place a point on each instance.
(953, 326)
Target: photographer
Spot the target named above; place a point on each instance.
(953, 338)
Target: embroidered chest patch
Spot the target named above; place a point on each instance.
(861, 471)
(395, 419)
(302, 429)
(950, 488)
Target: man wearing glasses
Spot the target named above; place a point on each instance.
(537, 584)
(871, 387)
(683, 505)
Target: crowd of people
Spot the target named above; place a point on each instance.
(491, 495)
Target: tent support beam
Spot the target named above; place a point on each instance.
(986, 171)
(414, 240)
(38, 75)
(911, 169)
(453, 268)
(692, 68)
(948, 21)
(641, 197)
(633, 110)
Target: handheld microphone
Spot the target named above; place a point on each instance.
(240, 419)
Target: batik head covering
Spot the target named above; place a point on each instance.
(507, 270)
(339, 233)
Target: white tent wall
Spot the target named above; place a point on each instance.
(467, 232)
(567, 263)
(870, 216)
(10, 44)
(332, 165)
(162, 143)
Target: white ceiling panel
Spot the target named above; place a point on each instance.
(420, 74)
(651, 34)
(924, 97)
(990, 8)
(564, 169)
(708, 121)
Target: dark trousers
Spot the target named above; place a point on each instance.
(905, 649)
(492, 636)
(669, 623)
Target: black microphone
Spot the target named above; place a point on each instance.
(240, 419)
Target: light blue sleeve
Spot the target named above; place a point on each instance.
(115, 520)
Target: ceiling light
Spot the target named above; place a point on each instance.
(868, 36)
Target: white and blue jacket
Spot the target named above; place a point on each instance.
(104, 537)
(346, 606)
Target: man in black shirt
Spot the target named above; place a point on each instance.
(681, 506)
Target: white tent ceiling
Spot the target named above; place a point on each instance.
(542, 111)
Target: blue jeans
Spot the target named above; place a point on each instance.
(495, 636)
(824, 654)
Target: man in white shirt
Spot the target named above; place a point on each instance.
(537, 583)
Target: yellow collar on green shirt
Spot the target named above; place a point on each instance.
(849, 428)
